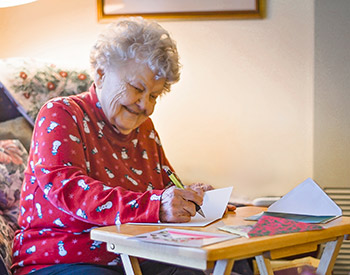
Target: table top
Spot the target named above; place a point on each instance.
(277, 246)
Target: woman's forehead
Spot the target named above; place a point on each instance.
(134, 71)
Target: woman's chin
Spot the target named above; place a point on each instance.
(126, 126)
(125, 130)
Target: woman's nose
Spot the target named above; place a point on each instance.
(144, 104)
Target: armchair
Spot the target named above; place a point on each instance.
(25, 85)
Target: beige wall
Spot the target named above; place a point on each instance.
(242, 113)
(332, 97)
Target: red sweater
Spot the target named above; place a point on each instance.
(83, 174)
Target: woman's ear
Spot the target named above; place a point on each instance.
(100, 76)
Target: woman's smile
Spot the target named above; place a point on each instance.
(131, 111)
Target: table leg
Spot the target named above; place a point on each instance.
(264, 265)
(223, 267)
(329, 256)
(131, 265)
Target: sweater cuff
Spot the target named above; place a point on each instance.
(156, 198)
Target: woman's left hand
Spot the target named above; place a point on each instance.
(201, 186)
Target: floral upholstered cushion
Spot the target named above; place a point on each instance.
(13, 159)
(17, 128)
(31, 82)
(6, 238)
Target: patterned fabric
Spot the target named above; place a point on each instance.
(268, 225)
(6, 238)
(17, 128)
(31, 83)
(13, 159)
(82, 173)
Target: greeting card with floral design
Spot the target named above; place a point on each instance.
(180, 237)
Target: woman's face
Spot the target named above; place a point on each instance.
(128, 95)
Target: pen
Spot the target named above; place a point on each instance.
(178, 184)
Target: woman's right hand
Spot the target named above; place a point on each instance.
(177, 205)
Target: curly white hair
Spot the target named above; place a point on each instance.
(142, 40)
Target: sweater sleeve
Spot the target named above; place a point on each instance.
(61, 168)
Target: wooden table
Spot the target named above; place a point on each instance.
(223, 254)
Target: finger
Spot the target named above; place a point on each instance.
(207, 187)
(174, 214)
(196, 189)
(190, 195)
(174, 217)
(203, 186)
(189, 207)
(231, 207)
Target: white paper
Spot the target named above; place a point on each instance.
(214, 205)
(306, 199)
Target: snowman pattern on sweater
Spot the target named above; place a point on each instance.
(82, 173)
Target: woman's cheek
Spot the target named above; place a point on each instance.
(151, 110)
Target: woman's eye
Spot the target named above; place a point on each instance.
(136, 88)
(154, 96)
(139, 90)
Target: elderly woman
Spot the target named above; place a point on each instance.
(96, 159)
